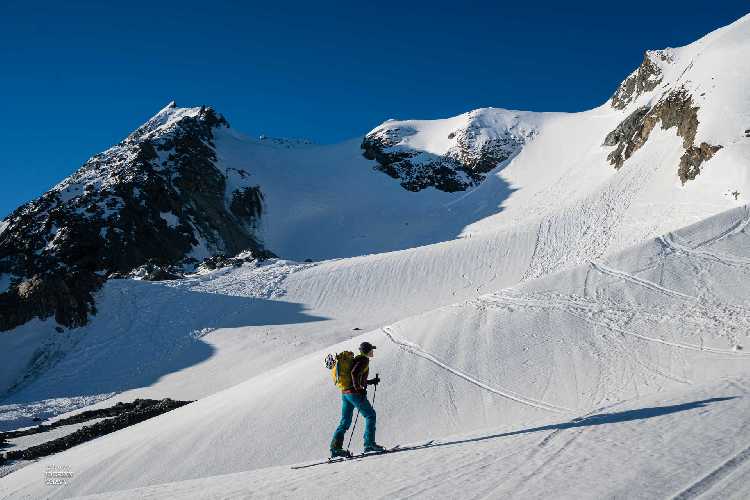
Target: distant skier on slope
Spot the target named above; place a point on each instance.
(350, 375)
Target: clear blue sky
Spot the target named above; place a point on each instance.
(76, 77)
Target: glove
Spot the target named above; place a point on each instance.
(374, 381)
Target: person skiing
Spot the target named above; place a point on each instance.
(353, 387)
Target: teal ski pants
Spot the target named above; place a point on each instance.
(348, 403)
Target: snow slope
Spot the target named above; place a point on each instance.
(659, 317)
(323, 202)
(645, 448)
(272, 311)
(327, 201)
(569, 289)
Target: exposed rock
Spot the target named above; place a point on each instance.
(67, 296)
(121, 415)
(674, 109)
(221, 261)
(155, 272)
(150, 200)
(247, 203)
(691, 161)
(644, 79)
(477, 148)
(627, 131)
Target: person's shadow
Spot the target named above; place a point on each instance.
(591, 420)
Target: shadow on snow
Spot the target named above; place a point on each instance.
(143, 331)
(591, 420)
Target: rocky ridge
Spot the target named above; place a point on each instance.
(117, 417)
(644, 79)
(675, 108)
(157, 198)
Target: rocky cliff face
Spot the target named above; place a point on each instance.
(157, 198)
(673, 108)
(459, 156)
(644, 79)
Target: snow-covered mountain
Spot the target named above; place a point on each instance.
(548, 292)
(185, 186)
(614, 341)
(157, 198)
(452, 154)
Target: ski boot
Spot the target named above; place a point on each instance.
(337, 448)
(340, 452)
(374, 447)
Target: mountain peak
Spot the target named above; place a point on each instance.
(157, 197)
(170, 115)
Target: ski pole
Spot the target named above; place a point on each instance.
(375, 392)
(352, 434)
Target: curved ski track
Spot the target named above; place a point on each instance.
(418, 351)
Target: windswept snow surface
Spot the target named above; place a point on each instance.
(650, 320)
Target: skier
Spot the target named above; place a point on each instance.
(353, 387)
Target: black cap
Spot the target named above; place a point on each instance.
(366, 347)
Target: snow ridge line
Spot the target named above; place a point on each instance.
(639, 281)
(418, 351)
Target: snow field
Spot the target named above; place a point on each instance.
(553, 348)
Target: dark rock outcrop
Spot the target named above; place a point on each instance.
(247, 203)
(118, 417)
(644, 79)
(151, 200)
(674, 109)
(410, 166)
(69, 296)
(222, 261)
(691, 161)
(155, 272)
(465, 164)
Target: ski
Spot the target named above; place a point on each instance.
(335, 460)
(360, 456)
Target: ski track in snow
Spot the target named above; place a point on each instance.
(670, 242)
(732, 230)
(705, 484)
(582, 309)
(639, 281)
(418, 351)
